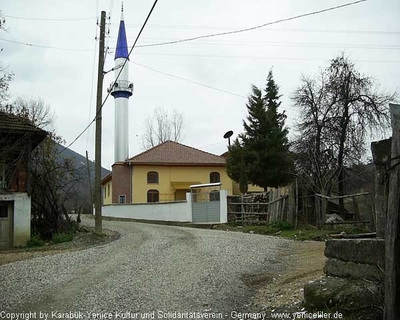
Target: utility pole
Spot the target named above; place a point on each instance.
(89, 179)
(97, 183)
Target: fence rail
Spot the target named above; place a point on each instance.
(285, 204)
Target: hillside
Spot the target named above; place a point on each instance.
(84, 190)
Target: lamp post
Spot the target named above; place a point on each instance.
(228, 136)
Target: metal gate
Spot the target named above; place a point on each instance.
(205, 204)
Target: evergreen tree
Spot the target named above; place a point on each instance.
(233, 161)
(264, 144)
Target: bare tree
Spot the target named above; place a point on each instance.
(5, 77)
(35, 110)
(2, 20)
(54, 180)
(338, 109)
(360, 109)
(315, 157)
(162, 126)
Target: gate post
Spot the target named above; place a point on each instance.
(223, 203)
(189, 204)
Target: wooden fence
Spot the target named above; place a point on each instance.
(262, 208)
(286, 204)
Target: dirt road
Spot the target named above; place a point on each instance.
(152, 270)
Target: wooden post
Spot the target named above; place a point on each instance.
(291, 204)
(356, 211)
(242, 210)
(324, 207)
(392, 237)
(97, 169)
(318, 212)
(296, 210)
(381, 152)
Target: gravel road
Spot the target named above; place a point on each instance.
(150, 268)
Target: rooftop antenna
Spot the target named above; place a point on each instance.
(228, 136)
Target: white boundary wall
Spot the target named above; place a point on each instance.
(162, 211)
(21, 216)
(180, 211)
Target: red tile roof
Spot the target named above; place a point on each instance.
(12, 122)
(174, 153)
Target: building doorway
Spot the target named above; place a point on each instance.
(6, 224)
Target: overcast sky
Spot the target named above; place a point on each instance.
(368, 32)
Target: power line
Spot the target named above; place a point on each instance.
(275, 44)
(117, 77)
(45, 46)
(187, 27)
(92, 82)
(198, 83)
(298, 44)
(253, 28)
(256, 57)
(191, 81)
(217, 56)
(50, 19)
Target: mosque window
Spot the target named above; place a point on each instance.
(152, 177)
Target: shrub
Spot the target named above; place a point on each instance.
(35, 241)
(281, 225)
(62, 237)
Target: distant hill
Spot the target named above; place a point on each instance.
(80, 160)
(84, 197)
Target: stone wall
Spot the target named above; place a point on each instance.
(354, 279)
(355, 258)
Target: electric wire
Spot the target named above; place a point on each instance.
(252, 28)
(92, 82)
(256, 57)
(45, 46)
(116, 78)
(187, 80)
(49, 19)
(160, 26)
(265, 44)
(201, 84)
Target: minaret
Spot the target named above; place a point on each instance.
(121, 90)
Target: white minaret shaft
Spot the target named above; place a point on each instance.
(121, 89)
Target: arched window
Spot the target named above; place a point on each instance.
(152, 177)
(153, 196)
(215, 177)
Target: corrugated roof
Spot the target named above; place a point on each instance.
(174, 153)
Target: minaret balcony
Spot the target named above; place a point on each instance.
(121, 86)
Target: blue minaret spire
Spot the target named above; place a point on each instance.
(122, 46)
(121, 89)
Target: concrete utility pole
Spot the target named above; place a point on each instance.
(97, 183)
